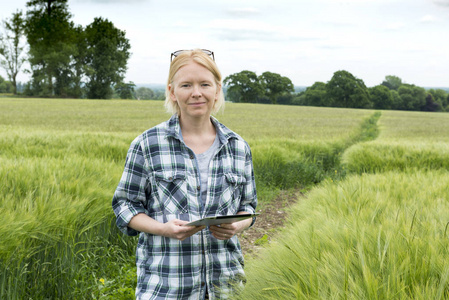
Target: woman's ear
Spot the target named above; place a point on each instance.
(218, 91)
(171, 90)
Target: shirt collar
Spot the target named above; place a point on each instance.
(174, 128)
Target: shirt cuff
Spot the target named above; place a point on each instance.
(125, 217)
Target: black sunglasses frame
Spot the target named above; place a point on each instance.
(176, 53)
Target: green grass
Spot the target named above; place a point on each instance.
(365, 236)
(60, 161)
(378, 236)
(266, 123)
(400, 126)
(407, 140)
(125, 116)
(370, 236)
(57, 223)
(80, 115)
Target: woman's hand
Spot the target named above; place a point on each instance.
(227, 231)
(175, 229)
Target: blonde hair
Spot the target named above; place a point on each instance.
(202, 59)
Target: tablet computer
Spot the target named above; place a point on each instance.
(217, 220)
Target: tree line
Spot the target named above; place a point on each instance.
(66, 60)
(342, 90)
(69, 60)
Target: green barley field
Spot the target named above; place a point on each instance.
(373, 224)
(407, 141)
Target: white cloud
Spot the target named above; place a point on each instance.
(246, 29)
(441, 2)
(428, 19)
(111, 1)
(359, 1)
(242, 29)
(240, 24)
(395, 25)
(243, 11)
(179, 24)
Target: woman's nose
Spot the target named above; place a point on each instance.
(196, 91)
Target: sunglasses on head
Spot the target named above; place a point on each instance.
(176, 53)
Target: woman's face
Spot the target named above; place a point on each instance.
(195, 91)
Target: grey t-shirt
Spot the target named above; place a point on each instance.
(203, 160)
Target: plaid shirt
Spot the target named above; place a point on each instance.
(161, 179)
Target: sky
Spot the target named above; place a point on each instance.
(304, 40)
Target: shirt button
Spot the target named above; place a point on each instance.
(191, 156)
(202, 283)
(198, 188)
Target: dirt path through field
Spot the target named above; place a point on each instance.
(268, 224)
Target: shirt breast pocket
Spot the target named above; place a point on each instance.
(171, 188)
(232, 189)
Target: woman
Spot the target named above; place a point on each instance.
(182, 170)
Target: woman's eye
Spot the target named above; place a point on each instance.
(206, 84)
(185, 85)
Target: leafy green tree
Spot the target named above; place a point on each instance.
(107, 57)
(79, 63)
(392, 82)
(243, 87)
(51, 38)
(159, 94)
(125, 90)
(5, 86)
(447, 101)
(12, 48)
(144, 93)
(285, 99)
(397, 100)
(275, 85)
(315, 95)
(381, 97)
(412, 96)
(345, 90)
(440, 96)
(431, 104)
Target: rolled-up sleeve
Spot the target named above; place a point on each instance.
(248, 201)
(130, 196)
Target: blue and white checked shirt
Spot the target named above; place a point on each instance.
(161, 179)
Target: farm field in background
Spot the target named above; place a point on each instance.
(401, 126)
(60, 161)
(370, 236)
(380, 233)
(407, 141)
(253, 122)
(356, 236)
